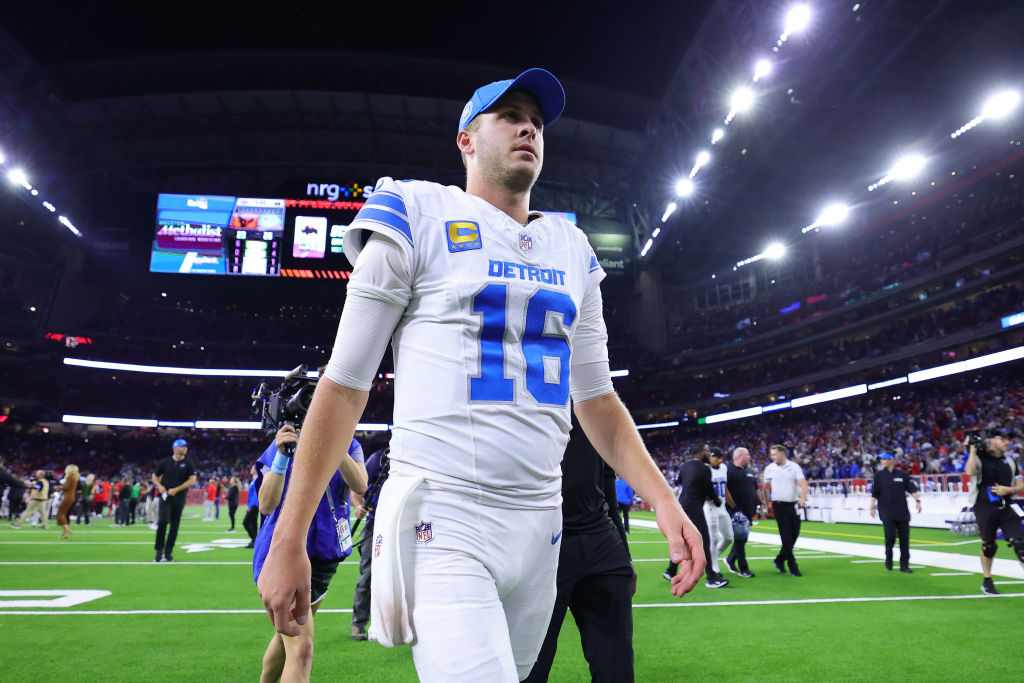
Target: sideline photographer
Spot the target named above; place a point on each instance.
(329, 538)
(995, 478)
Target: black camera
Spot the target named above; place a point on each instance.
(285, 404)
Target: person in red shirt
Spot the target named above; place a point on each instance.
(100, 496)
(211, 499)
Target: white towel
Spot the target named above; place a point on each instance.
(390, 621)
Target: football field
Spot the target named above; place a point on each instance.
(96, 607)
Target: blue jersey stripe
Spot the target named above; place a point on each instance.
(388, 199)
(387, 222)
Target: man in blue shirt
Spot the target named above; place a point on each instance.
(624, 494)
(328, 542)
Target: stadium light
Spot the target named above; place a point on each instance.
(1000, 104)
(776, 250)
(49, 207)
(18, 177)
(740, 101)
(717, 135)
(2, 159)
(685, 187)
(67, 224)
(905, 168)
(668, 211)
(996, 107)
(703, 157)
(647, 247)
(834, 214)
(797, 19)
(655, 233)
(762, 69)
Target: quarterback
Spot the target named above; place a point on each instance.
(495, 318)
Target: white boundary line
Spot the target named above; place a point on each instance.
(951, 574)
(737, 603)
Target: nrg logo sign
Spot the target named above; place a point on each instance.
(334, 192)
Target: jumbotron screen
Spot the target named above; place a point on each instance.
(220, 235)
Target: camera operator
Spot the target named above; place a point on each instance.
(15, 489)
(995, 478)
(39, 498)
(328, 542)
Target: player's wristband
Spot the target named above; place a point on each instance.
(280, 465)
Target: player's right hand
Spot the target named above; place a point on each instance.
(286, 435)
(686, 547)
(284, 585)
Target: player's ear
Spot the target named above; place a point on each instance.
(465, 142)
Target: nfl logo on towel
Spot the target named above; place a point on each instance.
(423, 533)
(377, 544)
(525, 242)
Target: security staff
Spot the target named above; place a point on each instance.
(173, 477)
(741, 483)
(695, 480)
(595, 580)
(786, 487)
(995, 478)
(889, 495)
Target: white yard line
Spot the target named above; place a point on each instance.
(735, 603)
(951, 574)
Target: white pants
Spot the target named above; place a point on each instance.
(208, 510)
(471, 585)
(720, 527)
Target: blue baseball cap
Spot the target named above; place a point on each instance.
(179, 442)
(885, 456)
(540, 83)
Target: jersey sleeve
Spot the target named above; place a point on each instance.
(355, 451)
(589, 374)
(799, 472)
(389, 211)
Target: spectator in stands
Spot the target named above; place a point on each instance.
(69, 490)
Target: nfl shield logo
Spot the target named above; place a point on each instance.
(424, 533)
(377, 544)
(525, 242)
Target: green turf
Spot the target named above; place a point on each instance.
(674, 639)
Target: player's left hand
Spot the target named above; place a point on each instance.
(685, 545)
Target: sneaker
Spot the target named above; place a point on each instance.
(888, 566)
(230, 531)
(795, 572)
(667, 576)
(252, 544)
(159, 557)
(746, 574)
(357, 632)
(730, 564)
(906, 570)
(988, 587)
(168, 558)
(718, 581)
(779, 565)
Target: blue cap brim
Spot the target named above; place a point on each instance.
(540, 83)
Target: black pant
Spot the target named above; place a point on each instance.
(132, 505)
(84, 507)
(169, 515)
(595, 581)
(738, 553)
(893, 528)
(696, 516)
(624, 511)
(121, 514)
(251, 521)
(361, 597)
(788, 520)
(231, 513)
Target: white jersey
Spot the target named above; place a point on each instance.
(482, 352)
(719, 475)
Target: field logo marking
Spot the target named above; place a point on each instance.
(57, 598)
(222, 543)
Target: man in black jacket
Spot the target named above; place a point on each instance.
(595, 572)
(695, 479)
(889, 492)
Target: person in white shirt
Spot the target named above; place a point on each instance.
(495, 317)
(786, 488)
